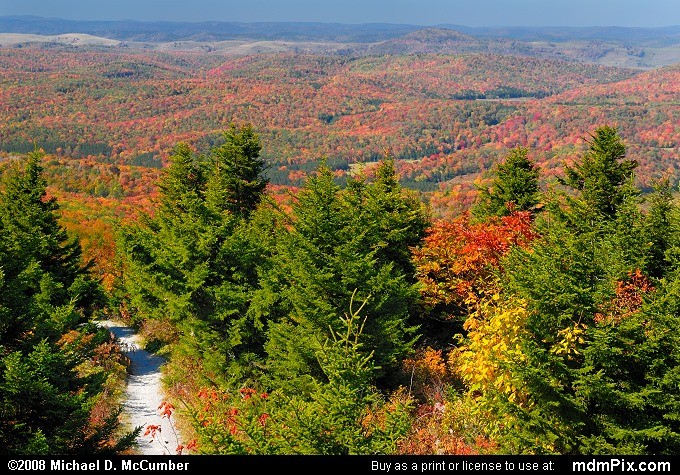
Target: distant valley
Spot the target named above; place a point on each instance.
(111, 101)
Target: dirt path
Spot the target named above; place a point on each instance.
(144, 393)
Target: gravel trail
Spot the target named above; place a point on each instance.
(144, 393)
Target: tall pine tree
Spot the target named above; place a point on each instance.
(603, 175)
(191, 264)
(335, 246)
(43, 266)
(236, 182)
(514, 188)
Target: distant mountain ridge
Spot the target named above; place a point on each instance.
(640, 48)
(159, 31)
(133, 30)
(436, 40)
(659, 36)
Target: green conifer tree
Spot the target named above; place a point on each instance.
(183, 181)
(325, 255)
(236, 180)
(45, 293)
(593, 359)
(395, 220)
(42, 266)
(659, 225)
(343, 413)
(602, 176)
(192, 264)
(514, 188)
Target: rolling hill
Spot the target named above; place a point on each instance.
(447, 104)
(612, 46)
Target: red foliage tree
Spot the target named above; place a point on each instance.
(459, 258)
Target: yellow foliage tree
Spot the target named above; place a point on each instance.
(487, 357)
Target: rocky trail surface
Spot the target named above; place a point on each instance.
(144, 394)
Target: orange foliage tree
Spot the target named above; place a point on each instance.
(457, 263)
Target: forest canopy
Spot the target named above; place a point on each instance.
(350, 321)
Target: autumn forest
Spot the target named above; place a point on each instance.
(357, 251)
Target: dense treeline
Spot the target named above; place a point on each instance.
(312, 306)
(448, 107)
(446, 119)
(346, 319)
(57, 370)
(350, 322)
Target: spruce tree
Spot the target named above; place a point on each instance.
(603, 175)
(394, 219)
(659, 228)
(236, 180)
(597, 352)
(343, 413)
(43, 268)
(192, 264)
(46, 295)
(514, 188)
(321, 260)
(183, 181)
(165, 255)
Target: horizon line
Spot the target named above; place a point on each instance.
(339, 23)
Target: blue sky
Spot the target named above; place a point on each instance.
(419, 12)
